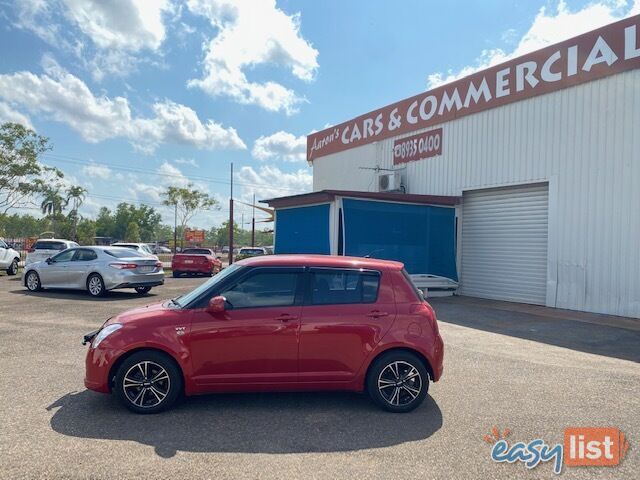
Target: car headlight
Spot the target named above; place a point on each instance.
(104, 333)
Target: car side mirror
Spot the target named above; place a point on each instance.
(217, 305)
(49, 261)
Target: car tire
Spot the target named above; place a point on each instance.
(95, 285)
(13, 268)
(142, 290)
(398, 381)
(134, 385)
(32, 281)
(176, 274)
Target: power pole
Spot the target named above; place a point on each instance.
(175, 228)
(253, 221)
(231, 220)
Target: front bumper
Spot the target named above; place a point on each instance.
(98, 363)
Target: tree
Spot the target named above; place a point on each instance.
(86, 230)
(187, 201)
(52, 205)
(22, 176)
(133, 232)
(75, 195)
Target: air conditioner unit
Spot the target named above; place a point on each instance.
(389, 182)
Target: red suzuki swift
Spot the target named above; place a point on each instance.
(275, 323)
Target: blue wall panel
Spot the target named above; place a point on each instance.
(303, 230)
(420, 236)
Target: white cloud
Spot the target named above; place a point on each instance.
(108, 37)
(67, 99)
(283, 145)
(548, 27)
(270, 182)
(130, 25)
(187, 161)
(251, 33)
(95, 170)
(8, 114)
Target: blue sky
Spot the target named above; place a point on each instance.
(136, 95)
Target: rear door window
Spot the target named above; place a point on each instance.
(84, 255)
(336, 287)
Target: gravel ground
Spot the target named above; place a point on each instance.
(532, 372)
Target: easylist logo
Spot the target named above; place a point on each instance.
(593, 446)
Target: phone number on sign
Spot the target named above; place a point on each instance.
(424, 145)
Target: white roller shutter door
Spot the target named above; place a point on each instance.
(504, 243)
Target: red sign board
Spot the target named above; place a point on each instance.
(194, 236)
(606, 51)
(423, 145)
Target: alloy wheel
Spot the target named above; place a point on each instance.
(13, 269)
(33, 282)
(146, 384)
(399, 383)
(95, 285)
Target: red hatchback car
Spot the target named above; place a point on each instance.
(275, 323)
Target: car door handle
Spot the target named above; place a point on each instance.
(377, 314)
(286, 317)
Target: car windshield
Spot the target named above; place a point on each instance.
(196, 251)
(193, 294)
(120, 253)
(251, 251)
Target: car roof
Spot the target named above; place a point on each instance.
(320, 261)
(54, 240)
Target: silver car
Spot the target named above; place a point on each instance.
(95, 269)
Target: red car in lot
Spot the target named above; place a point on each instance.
(195, 260)
(275, 323)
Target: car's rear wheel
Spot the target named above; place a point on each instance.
(175, 274)
(148, 382)
(143, 290)
(95, 285)
(13, 268)
(398, 381)
(33, 282)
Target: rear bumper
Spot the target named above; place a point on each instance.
(438, 360)
(192, 268)
(126, 279)
(138, 284)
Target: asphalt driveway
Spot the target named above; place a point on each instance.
(534, 371)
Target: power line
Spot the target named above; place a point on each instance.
(80, 161)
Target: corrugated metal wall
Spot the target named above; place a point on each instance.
(584, 140)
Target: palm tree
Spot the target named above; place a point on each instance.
(75, 195)
(52, 204)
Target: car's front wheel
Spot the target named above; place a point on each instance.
(33, 282)
(95, 285)
(148, 382)
(143, 290)
(398, 381)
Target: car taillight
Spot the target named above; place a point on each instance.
(123, 266)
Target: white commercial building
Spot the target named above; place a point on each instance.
(544, 154)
